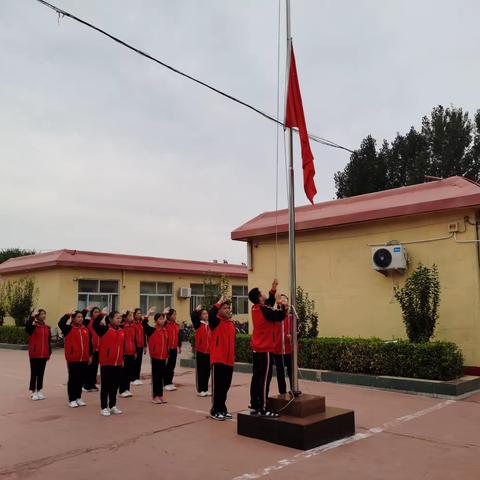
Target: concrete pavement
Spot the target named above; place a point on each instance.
(398, 436)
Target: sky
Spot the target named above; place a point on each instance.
(103, 150)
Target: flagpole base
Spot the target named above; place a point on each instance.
(304, 423)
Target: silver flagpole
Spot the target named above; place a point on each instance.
(291, 228)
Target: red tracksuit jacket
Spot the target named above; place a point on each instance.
(140, 333)
(222, 339)
(173, 330)
(77, 344)
(282, 330)
(265, 334)
(158, 343)
(112, 343)
(38, 340)
(130, 331)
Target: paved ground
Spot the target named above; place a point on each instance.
(398, 436)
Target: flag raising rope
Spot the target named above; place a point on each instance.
(295, 117)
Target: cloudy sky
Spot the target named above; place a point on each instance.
(103, 150)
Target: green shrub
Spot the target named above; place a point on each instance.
(419, 300)
(13, 334)
(22, 295)
(372, 356)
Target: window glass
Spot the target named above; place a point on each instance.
(86, 286)
(148, 287)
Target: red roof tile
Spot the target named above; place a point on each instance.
(113, 261)
(453, 192)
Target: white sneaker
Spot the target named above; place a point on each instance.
(105, 412)
(80, 402)
(84, 389)
(40, 396)
(34, 396)
(170, 387)
(209, 394)
(202, 394)
(115, 411)
(73, 404)
(126, 394)
(137, 382)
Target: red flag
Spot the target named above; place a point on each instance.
(294, 117)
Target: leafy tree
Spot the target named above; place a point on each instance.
(7, 253)
(22, 295)
(447, 144)
(307, 316)
(3, 302)
(214, 288)
(419, 300)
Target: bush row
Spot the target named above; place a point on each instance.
(399, 358)
(14, 335)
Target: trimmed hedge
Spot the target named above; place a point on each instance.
(14, 335)
(372, 356)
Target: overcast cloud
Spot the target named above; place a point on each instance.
(103, 150)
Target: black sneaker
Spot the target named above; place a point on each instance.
(218, 416)
(266, 413)
(228, 416)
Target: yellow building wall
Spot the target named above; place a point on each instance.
(58, 289)
(334, 267)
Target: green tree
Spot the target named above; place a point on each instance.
(7, 253)
(364, 173)
(307, 316)
(3, 302)
(22, 295)
(214, 288)
(419, 300)
(447, 144)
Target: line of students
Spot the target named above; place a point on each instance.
(113, 342)
(117, 343)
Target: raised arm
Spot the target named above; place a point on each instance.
(29, 326)
(273, 315)
(195, 317)
(270, 301)
(147, 328)
(63, 325)
(100, 326)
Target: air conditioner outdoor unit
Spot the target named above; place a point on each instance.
(184, 292)
(389, 257)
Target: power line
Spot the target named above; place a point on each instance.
(63, 13)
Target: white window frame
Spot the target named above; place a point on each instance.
(112, 300)
(148, 296)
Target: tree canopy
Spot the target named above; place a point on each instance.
(7, 253)
(447, 144)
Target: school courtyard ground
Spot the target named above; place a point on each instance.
(399, 436)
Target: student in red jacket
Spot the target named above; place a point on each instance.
(222, 356)
(263, 345)
(141, 344)
(112, 342)
(129, 354)
(158, 350)
(78, 353)
(283, 350)
(202, 350)
(92, 369)
(174, 347)
(39, 350)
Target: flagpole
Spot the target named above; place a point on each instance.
(291, 230)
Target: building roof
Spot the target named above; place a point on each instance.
(113, 261)
(450, 193)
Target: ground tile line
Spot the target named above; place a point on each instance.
(286, 462)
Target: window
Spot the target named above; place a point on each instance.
(98, 293)
(155, 294)
(198, 295)
(239, 299)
